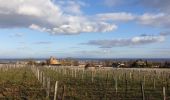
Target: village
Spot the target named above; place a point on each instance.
(136, 63)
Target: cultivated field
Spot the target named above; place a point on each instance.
(72, 83)
(19, 83)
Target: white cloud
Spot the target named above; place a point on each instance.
(71, 6)
(147, 39)
(44, 15)
(120, 16)
(66, 17)
(160, 19)
(29, 10)
(139, 40)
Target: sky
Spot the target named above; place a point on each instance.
(85, 28)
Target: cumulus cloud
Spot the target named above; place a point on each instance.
(66, 16)
(160, 19)
(71, 6)
(44, 15)
(139, 40)
(161, 7)
(157, 15)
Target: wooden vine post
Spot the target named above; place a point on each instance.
(116, 85)
(55, 93)
(142, 91)
(48, 88)
(164, 93)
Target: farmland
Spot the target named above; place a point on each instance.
(19, 83)
(72, 83)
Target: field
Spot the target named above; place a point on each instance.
(19, 84)
(72, 83)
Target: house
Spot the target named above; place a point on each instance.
(118, 65)
(90, 66)
(139, 63)
(53, 61)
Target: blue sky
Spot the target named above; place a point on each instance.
(84, 28)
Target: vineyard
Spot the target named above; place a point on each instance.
(74, 83)
(19, 83)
